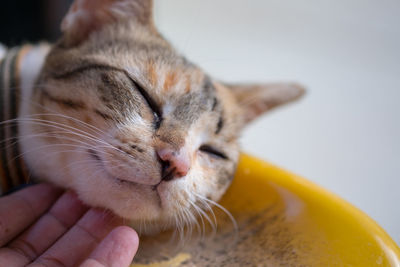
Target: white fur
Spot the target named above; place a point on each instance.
(168, 108)
(31, 65)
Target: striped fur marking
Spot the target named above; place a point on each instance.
(68, 103)
(12, 168)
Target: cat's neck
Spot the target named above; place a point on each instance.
(19, 69)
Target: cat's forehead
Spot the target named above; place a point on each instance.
(181, 89)
(168, 77)
(148, 57)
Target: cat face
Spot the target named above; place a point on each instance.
(131, 125)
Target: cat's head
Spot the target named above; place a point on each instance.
(133, 126)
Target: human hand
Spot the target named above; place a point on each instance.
(42, 226)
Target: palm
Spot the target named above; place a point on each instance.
(41, 226)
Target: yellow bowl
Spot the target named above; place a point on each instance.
(283, 220)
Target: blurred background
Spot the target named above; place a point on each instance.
(344, 135)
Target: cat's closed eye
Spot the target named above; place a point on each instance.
(151, 103)
(213, 152)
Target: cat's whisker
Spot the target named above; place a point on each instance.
(184, 225)
(96, 139)
(28, 119)
(72, 164)
(195, 221)
(107, 212)
(55, 135)
(84, 147)
(85, 124)
(77, 161)
(94, 174)
(198, 228)
(223, 209)
(58, 126)
(73, 130)
(54, 112)
(172, 238)
(180, 225)
(81, 167)
(68, 131)
(117, 149)
(43, 147)
(213, 227)
(189, 221)
(202, 229)
(210, 210)
(52, 134)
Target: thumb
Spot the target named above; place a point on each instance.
(117, 249)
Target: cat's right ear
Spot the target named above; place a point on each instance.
(87, 16)
(256, 99)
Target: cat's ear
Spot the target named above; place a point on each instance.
(86, 16)
(255, 99)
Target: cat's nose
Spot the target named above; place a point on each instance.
(175, 164)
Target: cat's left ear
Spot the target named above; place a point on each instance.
(256, 99)
(87, 16)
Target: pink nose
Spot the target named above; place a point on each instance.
(175, 163)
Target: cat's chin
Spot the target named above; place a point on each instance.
(151, 228)
(131, 202)
(148, 209)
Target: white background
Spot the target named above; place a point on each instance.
(344, 135)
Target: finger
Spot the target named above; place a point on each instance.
(80, 240)
(117, 249)
(19, 210)
(40, 236)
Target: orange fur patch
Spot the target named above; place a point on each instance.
(152, 73)
(188, 84)
(170, 81)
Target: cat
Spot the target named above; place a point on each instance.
(113, 112)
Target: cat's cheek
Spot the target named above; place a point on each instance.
(46, 162)
(139, 169)
(94, 187)
(128, 202)
(180, 194)
(216, 175)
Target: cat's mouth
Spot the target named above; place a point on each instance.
(155, 188)
(93, 154)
